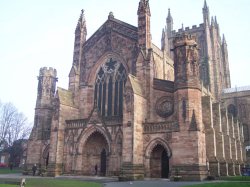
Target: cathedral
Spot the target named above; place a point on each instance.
(135, 110)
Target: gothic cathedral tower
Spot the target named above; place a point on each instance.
(189, 143)
(38, 147)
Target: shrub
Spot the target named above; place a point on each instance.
(3, 165)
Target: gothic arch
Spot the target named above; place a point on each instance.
(154, 143)
(108, 76)
(46, 156)
(88, 132)
(95, 69)
(46, 151)
(119, 141)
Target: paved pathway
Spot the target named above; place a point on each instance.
(150, 183)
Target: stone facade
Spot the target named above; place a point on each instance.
(134, 110)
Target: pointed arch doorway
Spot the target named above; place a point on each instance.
(45, 162)
(95, 155)
(159, 162)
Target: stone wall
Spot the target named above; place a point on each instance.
(223, 139)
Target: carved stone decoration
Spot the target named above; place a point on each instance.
(110, 66)
(193, 125)
(128, 99)
(147, 138)
(164, 107)
(168, 136)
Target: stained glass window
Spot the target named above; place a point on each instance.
(109, 87)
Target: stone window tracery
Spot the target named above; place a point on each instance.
(109, 87)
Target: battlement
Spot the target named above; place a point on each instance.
(184, 39)
(194, 28)
(50, 72)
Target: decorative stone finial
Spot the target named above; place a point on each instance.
(111, 15)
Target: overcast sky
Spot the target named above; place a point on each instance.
(38, 33)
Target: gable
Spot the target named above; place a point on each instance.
(112, 25)
(115, 39)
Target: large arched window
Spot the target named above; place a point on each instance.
(109, 87)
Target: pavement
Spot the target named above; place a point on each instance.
(150, 183)
(111, 181)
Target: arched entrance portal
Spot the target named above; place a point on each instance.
(95, 154)
(45, 162)
(159, 162)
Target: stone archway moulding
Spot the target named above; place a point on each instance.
(154, 143)
(45, 151)
(88, 132)
(103, 59)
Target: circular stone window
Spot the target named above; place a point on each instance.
(164, 107)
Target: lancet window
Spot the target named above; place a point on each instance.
(109, 87)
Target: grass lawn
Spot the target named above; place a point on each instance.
(7, 170)
(59, 183)
(223, 184)
(236, 178)
(55, 183)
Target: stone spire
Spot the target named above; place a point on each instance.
(217, 26)
(212, 22)
(205, 5)
(163, 36)
(205, 11)
(144, 34)
(169, 23)
(80, 39)
(215, 21)
(225, 63)
(164, 41)
(81, 25)
(169, 18)
(224, 42)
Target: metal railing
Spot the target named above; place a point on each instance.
(236, 89)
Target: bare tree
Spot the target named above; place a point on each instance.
(13, 125)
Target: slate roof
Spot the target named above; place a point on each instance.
(164, 85)
(136, 86)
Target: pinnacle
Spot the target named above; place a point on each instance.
(224, 39)
(144, 7)
(212, 21)
(81, 22)
(215, 21)
(169, 14)
(163, 33)
(169, 18)
(205, 5)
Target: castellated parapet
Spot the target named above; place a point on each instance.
(45, 71)
(46, 86)
(184, 40)
(194, 28)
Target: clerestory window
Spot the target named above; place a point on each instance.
(109, 87)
